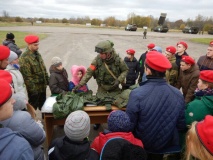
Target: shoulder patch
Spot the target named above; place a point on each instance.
(92, 67)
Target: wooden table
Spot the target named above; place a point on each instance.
(98, 114)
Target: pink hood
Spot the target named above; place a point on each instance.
(75, 79)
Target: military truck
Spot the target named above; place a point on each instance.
(191, 30)
(161, 26)
(210, 31)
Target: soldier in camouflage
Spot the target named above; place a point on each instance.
(107, 68)
(34, 72)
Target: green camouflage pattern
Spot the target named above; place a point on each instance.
(34, 71)
(106, 46)
(103, 78)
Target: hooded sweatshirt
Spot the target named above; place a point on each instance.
(14, 146)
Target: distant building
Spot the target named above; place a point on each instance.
(103, 25)
(39, 22)
(88, 24)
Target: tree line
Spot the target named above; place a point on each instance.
(204, 23)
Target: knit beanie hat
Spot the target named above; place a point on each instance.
(10, 36)
(77, 125)
(157, 48)
(12, 56)
(20, 103)
(56, 61)
(119, 121)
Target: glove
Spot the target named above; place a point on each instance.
(116, 83)
(76, 88)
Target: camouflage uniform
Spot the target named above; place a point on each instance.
(103, 78)
(172, 73)
(35, 77)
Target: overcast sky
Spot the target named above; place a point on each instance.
(179, 9)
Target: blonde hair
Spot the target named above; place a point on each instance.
(199, 149)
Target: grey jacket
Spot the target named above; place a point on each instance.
(22, 122)
(12, 46)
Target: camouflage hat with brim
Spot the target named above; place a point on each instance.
(104, 47)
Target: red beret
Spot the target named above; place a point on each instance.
(183, 43)
(31, 39)
(6, 76)
(188, 59)
(151, 45)
(204, 130)
(157, 61)
(6, 91)
(4, 52)
(207, 75)
(130, 51)
(211, 43)
(171, 49)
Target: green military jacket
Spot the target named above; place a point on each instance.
(172, 73)
(34, 71)
(103, 78)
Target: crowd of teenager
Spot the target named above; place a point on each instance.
(169, 114)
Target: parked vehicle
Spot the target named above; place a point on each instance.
(131, 27)
(162, 29)
(191, 30)
(210, 31)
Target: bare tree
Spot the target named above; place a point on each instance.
(5, 14)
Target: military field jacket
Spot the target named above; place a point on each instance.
(34, 71)
(101, 74)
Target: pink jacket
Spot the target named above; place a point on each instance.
(75, 79)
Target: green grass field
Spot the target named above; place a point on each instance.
(201, 40)
(19, 37)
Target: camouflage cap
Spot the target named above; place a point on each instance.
(104, 47)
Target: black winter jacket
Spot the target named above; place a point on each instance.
(12, 46)
(65, 149)
(58, 82)
(133, 71)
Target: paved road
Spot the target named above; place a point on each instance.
(76, 46)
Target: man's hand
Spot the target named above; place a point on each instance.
(116, 83)
(76, 88)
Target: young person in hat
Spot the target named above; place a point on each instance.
(77, 73)
(181, 51)
(58, 82)
(13, 145)
(156, 109)
(188, 77)
(10, 43)
(119, 125)
(34, 72)
(18, 80)
(172, 73)
(206, 62)
(141, 61)
(133, 65)
(199, 140)
(202, 105)
(4, 54)
(25, 125)
(75, 144)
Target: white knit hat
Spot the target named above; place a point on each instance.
(56, 61)
(77, 125)
(12, 56)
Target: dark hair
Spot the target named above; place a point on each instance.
(156, 73)
(10, 36)
(210, 84)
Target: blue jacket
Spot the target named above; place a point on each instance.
(14, 146)
(156, 110)
(22, 122)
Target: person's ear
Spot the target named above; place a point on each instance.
(147, 71)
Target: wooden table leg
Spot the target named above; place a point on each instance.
(48, 128)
